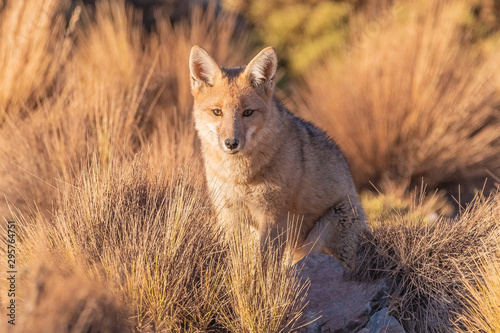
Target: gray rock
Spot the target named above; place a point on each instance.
(341, 305)
(381, 322)
(379, 300)
(314, 323)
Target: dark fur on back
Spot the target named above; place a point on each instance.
(322, 139)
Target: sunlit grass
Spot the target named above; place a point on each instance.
(430, 261)
(482, 313)
(412, 99)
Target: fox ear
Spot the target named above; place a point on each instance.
(261, 70)
(202, 67)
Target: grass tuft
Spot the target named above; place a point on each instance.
(428, 261)
(481, 300)
(413, 99)
(153, 239)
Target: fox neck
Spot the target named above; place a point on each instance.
(247, 164)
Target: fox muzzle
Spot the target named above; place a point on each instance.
(231, 146)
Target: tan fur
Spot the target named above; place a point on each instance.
(283, 165)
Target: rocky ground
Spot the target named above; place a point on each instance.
(338, 305)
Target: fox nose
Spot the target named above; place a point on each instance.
(231, 143)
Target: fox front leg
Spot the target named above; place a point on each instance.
(336, 233)
(272, 234)
(227, 217)
(234, 220)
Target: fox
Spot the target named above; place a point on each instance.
(262, 160)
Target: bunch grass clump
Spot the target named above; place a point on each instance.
(152, 239)
(481, 299)
(36, 43)
(62, 300)
(415, 98)
(266, 292)
(153, 236)
(122, 90)
(432, 261)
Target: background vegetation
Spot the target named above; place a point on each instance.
(100, 166)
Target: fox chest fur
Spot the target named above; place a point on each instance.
(264, 162)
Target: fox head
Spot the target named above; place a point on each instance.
(232, 105)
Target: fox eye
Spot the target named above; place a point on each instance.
(217, 112)
(247, 113)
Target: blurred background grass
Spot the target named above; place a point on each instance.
(100, 166)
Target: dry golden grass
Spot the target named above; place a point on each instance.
(153, 239)
(265, 292)
(416, 204)
(151, 235)
(33, 51)
(413, 98)
(121, 91)
(482, 313)
(81, 305)
(431, 261)
(95, 112)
